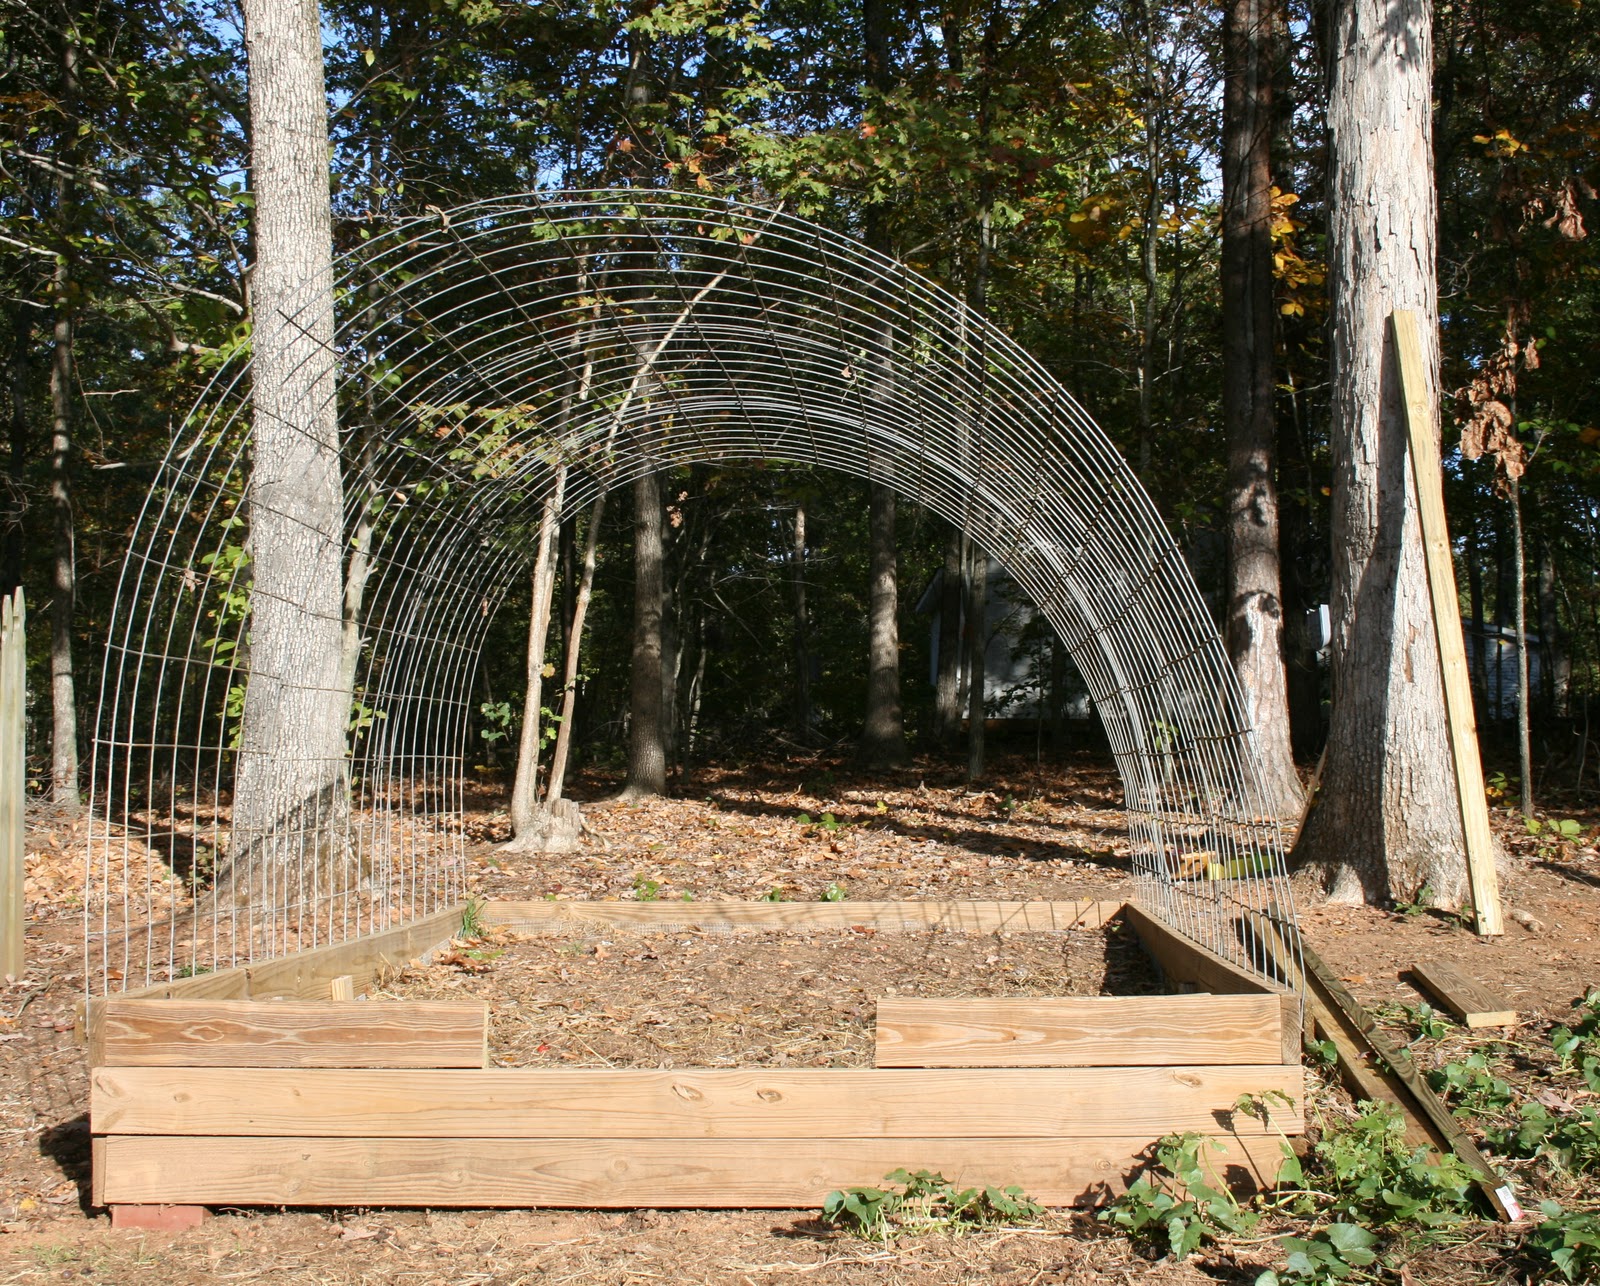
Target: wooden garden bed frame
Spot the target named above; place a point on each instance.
(252, 1086)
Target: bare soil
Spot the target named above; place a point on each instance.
(799, 999)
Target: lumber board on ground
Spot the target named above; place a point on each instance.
(575, 1103)
(293, 1033)
(646, 917)
(1460, 719)
(771, 1173)
(1079, 1031)
(1470, 1001)
(306, 975)
(1418, 1100)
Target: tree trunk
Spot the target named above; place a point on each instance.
(802, 626)
(977, 650)
(1555, 665)
(64, 574)
(1386, 821)
(883, 739)
(291, 787)
(947, 692)
(525, 790)
(647, 733)
(569, 681)
(13, 537)
(1520, 617)
(1254, 624)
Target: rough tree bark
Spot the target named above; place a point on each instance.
(977, 670)
(647, 748)
(63, 566)
(14, 504)
(1254, 612)
(562, 753)
(291, 787)
(1385, 821)
(883, 738)
(802, 625)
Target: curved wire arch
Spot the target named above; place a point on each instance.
(491, 356)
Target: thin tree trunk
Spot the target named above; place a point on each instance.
(291, 787)
(947, 693)
(569, 681)
(1254, 624)
(977, 648)
(1385, 822)
(1520, 581)
(802, 625)
(64, 576)
(525, 790)
(1555, 665)
(1480, 670)
(13, 535)
(647, 752)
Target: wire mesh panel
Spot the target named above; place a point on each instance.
(496, 356)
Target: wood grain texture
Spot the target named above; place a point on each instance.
(966, 917)
(1470, 1001)
(306, 1033)
(1459, 716)
(1079, 1031)
(1184, 961)
(770, 1173)
(306, 975)
(745, 1103)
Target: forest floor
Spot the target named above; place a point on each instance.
(802, 828)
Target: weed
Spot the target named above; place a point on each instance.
(472, 925)
(1569, 1141)
(1556, 828)
(1569, 1241)
(834, 893)
(688, 896)
(925, 1202)
(1370, 1176)
(646, 889)
(192, 970)
(1473, 1089)
(1175, 1204)
(1429, 1022)
(1330, 1254)
(774, 894)
(1577, 1048)
(1417, 903)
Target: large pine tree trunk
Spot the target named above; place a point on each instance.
(13, 504)
(1385, 821)
(291, 790)
(647, 731)
(883, 739)
(1255, 617)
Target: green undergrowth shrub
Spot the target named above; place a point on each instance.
(1568, 1241)
(916, 1201)
(1175, 1207)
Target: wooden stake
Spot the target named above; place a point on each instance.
(1426, 470)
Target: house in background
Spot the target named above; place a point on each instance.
(1492, 666)
(1018, 657)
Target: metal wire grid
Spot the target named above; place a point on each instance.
(492, 355)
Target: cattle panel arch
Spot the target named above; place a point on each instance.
(485, 353)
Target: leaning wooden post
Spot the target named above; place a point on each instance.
(1427, 472)
(13, 779)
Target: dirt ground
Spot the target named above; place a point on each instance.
(685, 999)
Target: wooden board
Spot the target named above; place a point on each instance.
(291, 1033)
(1427, 476)
(1079, 1031)
(306, 975)
(723, 917)
(474, 1172)
(745, 1103)
(1470, 1001)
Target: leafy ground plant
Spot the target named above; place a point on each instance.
(1331, 1254)
(1176, 1207)
(1567, 1241)
(1367, 1174)
(923, 1201)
